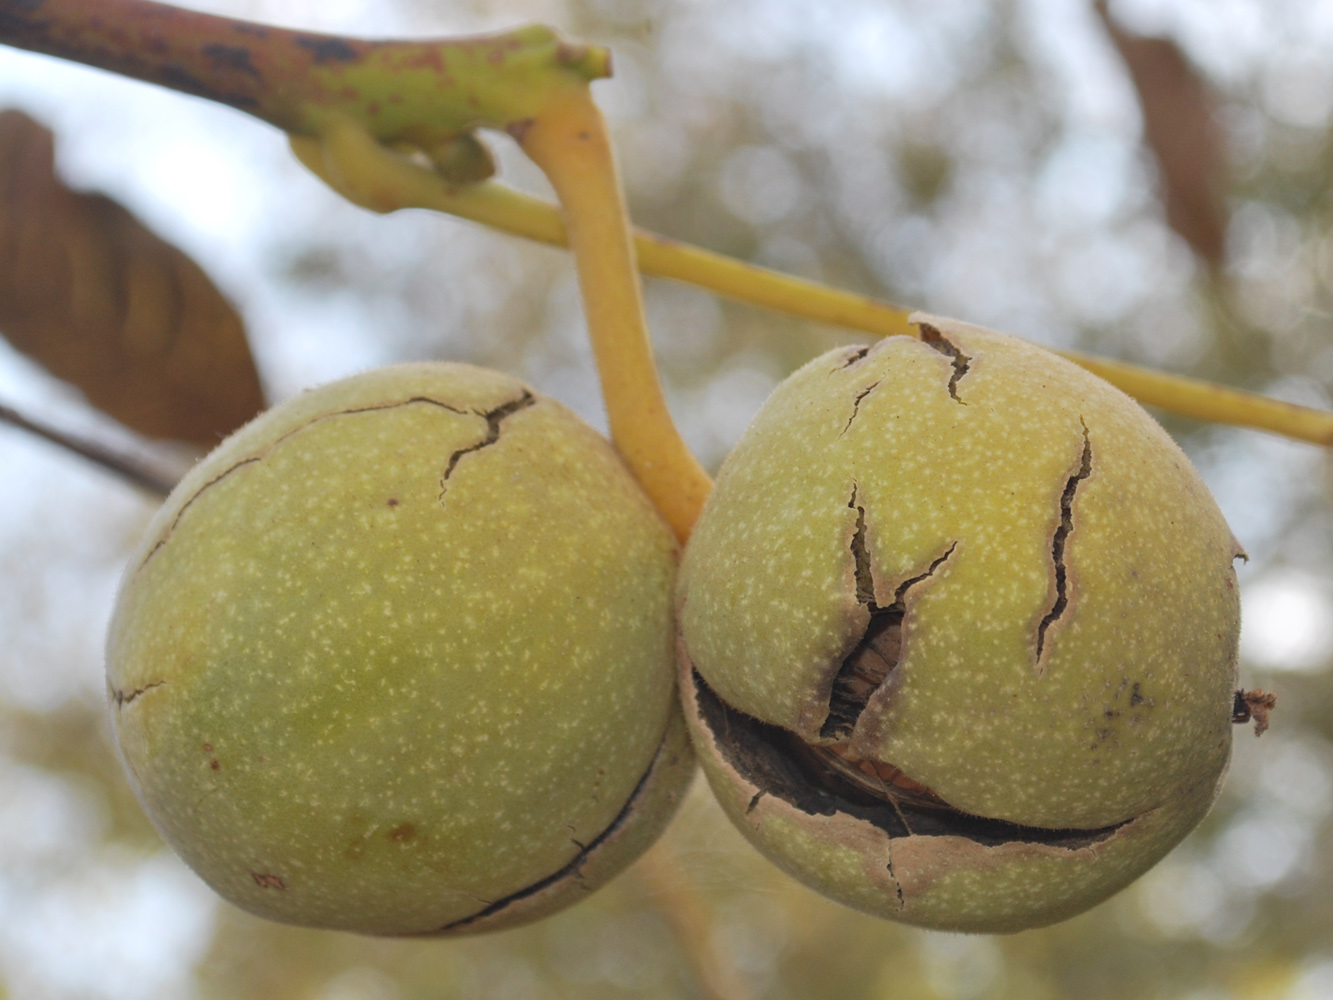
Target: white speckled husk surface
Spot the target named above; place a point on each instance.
(372, 699)
(1128, 709)
(939, 882)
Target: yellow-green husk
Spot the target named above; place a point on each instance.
(956, 460)
(396, 658)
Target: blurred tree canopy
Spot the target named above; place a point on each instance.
(1004, 161)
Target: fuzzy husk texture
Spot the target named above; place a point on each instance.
(397, 658)
(1069, 631)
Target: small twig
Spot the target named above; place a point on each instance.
(128, 468)
(678, 899)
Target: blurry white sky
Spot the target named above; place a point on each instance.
(224, 188)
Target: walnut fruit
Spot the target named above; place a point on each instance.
(958, 633)
(397, 658)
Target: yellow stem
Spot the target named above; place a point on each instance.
(377, 178)
(352, 162)
(759, 286)
(569, 141)
(356, 165)
(1218, 404)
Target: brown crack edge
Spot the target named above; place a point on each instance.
(854, 356)
(543, 896)
(905, 847)
(852, 689)
(525, 400)
(933, 338)
(856, 404)
(1064, 528)
(122, 698)
(494, 420)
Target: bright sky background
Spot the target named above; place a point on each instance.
(79, 922)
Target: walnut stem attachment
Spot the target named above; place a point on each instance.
(370, 174)
(569, 141)
(423, 94)
(422, 91)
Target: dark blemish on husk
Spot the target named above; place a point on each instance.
(897, 886)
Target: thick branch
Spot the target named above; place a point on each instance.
(422, 92)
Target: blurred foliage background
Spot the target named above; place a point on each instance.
(1151, 181)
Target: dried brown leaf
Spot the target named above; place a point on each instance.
(1181, 130)
(87, 291)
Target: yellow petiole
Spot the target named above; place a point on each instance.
(371, 175)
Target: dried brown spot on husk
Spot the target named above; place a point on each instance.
(1254, 705)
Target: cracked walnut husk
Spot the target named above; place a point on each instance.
(957, 633)
(396, 658)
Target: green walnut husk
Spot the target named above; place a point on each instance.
(397, 658)
(958, 633)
